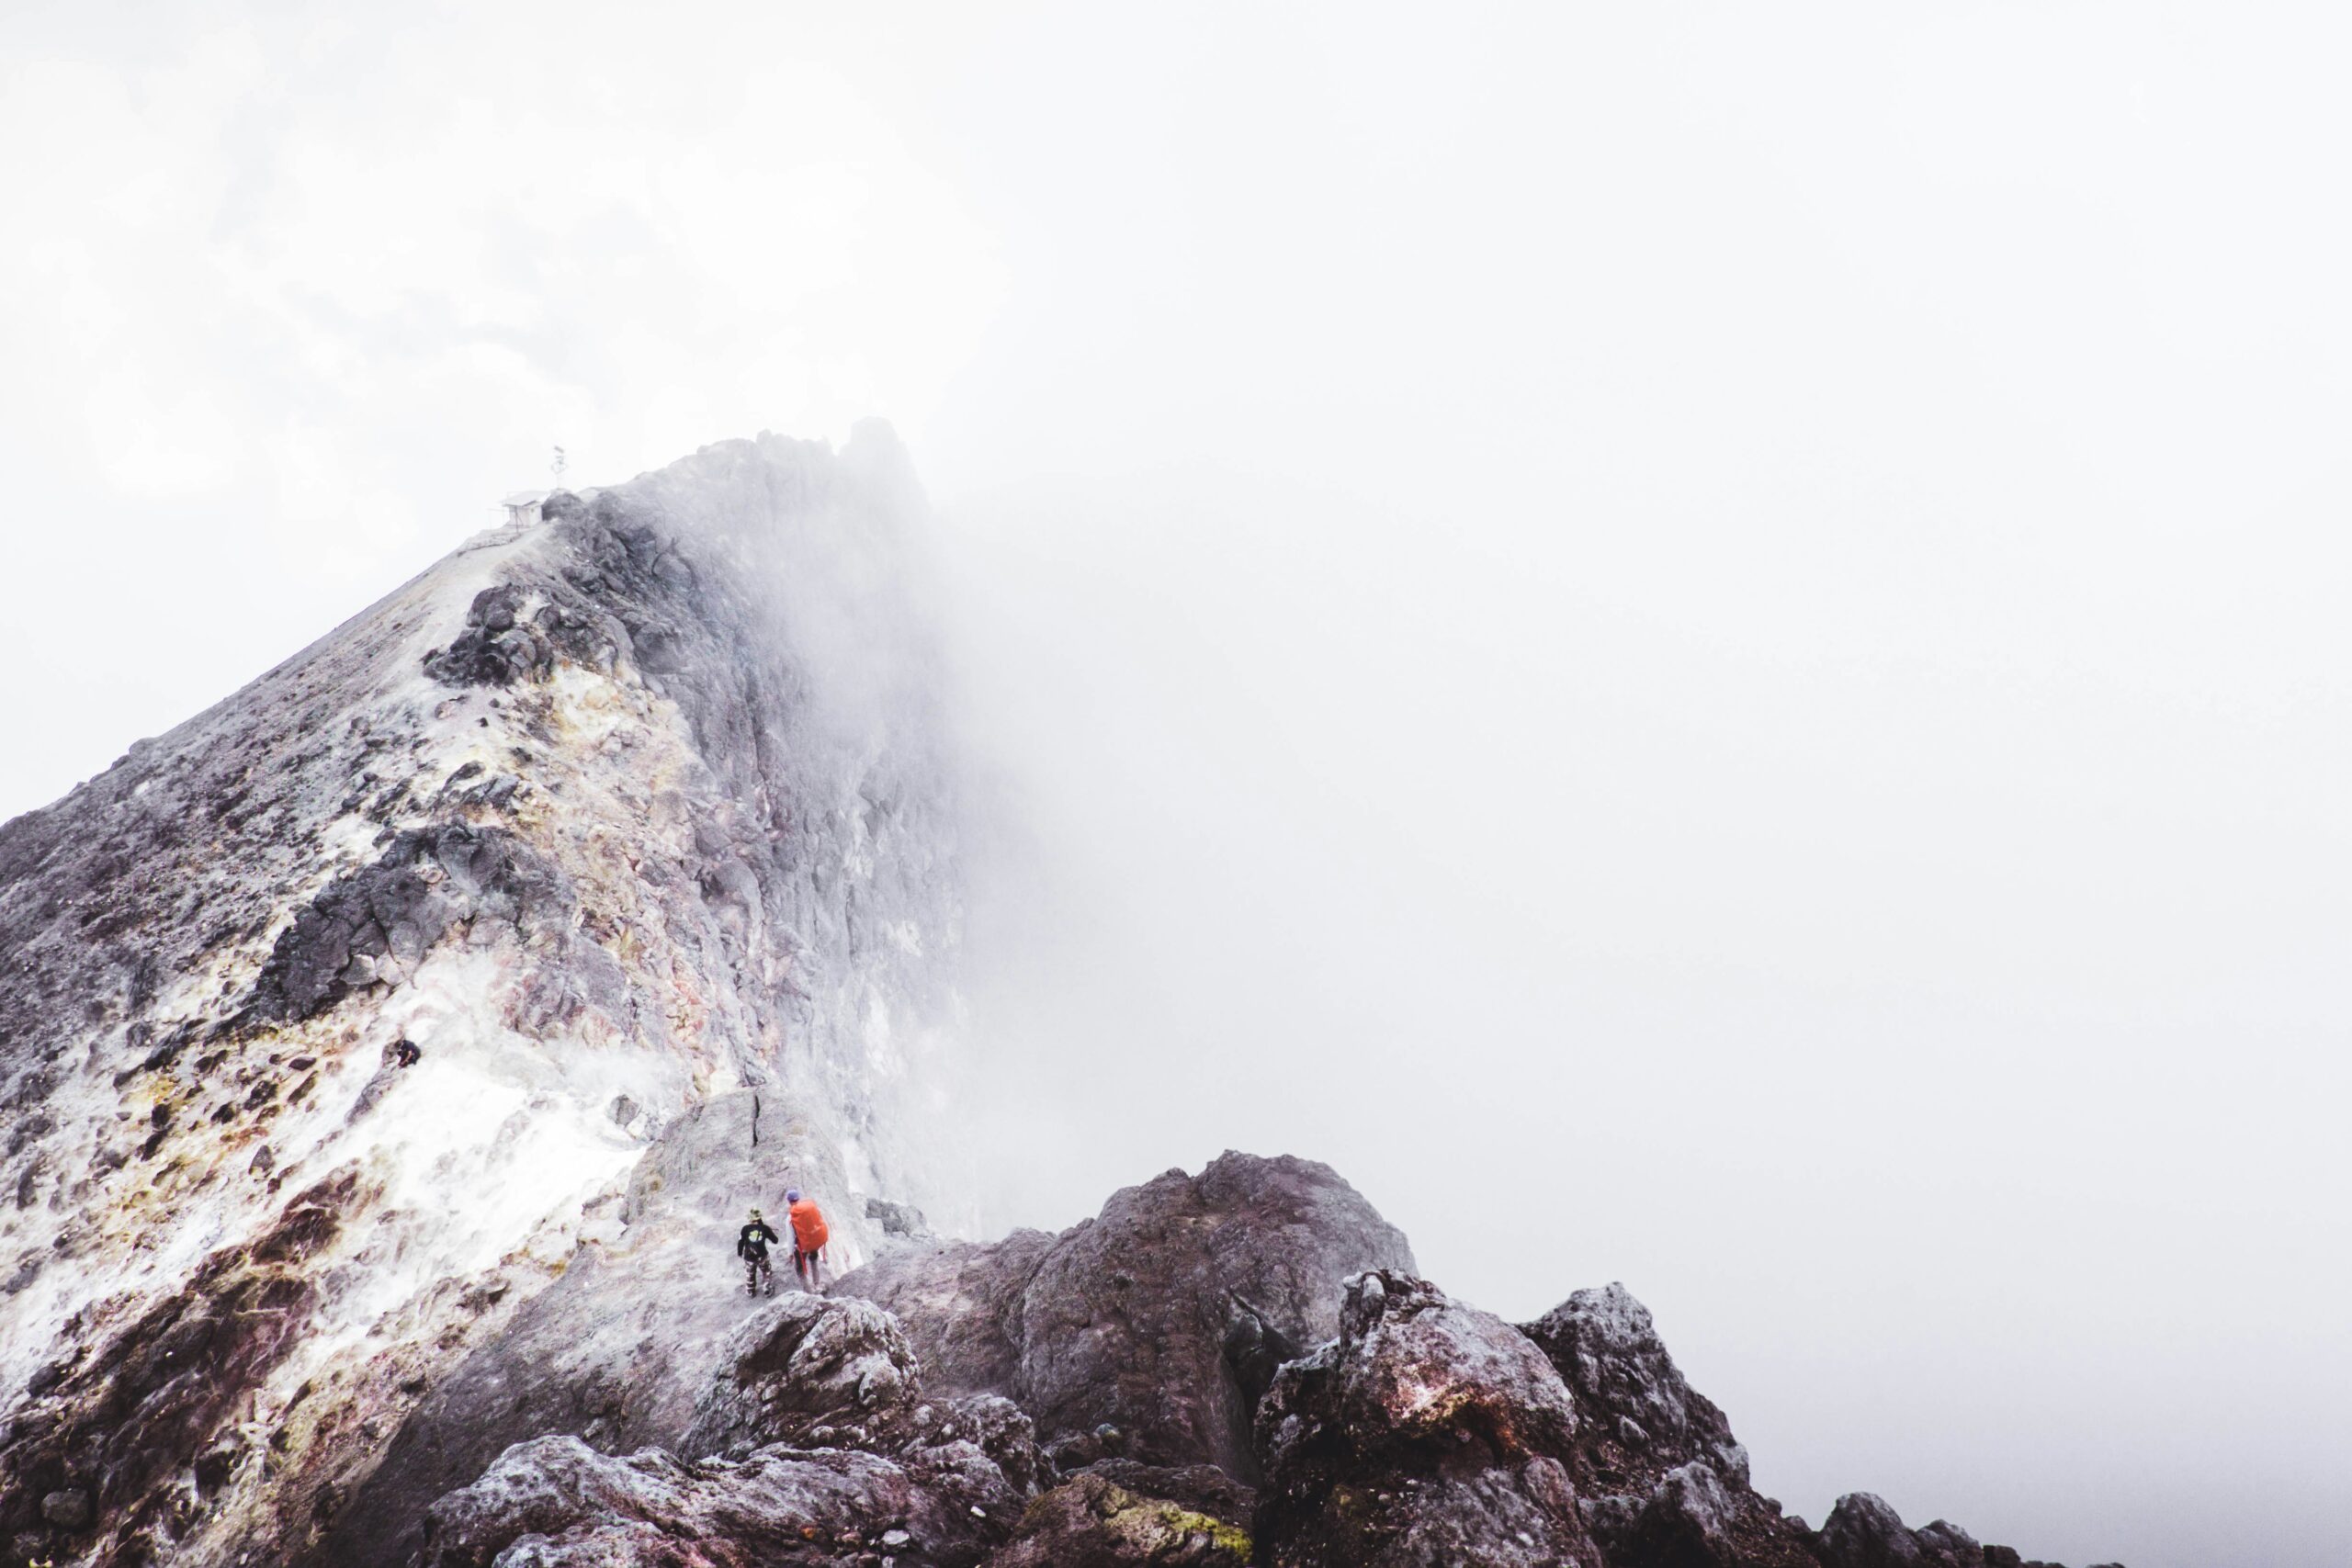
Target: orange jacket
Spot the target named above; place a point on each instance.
(809, 1232)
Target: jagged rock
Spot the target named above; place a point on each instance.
(948, 1504)
(498, 647)
(1949, 1546)
(388, 914)
(1692, 1520)
(1663, 1483)
(996, 1425)
(1162, 1320)
(1641, 1417)
(1429, 1433)
(1864, 1531)
(808, 1369)
(1091, 1522)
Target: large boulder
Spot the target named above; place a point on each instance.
(1864, 1531)
(1151, 1331)
(808, 1369)
(1428, 1433)
(1641, 1418)
(1692, 1519)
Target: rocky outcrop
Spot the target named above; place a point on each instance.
(558, 1502)
(1422, 1432)
(1642, 1419)
(812, 1444)
(809, 1370)
(1863, 1531)
(1093, 1522)
(1662, 1481)
(1429, 1433)
(1150, 1332)
(375, 924)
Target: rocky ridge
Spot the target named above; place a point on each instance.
(388, 1055)
(1421, 1432)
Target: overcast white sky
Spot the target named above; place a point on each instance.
(1705, 645)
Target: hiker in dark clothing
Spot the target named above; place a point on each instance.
(752, 1247)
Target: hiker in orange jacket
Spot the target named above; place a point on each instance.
(808, 1238)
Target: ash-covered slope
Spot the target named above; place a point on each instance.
(335, 1023)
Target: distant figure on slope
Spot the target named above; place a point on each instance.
(808, 1238)
(752, 1247)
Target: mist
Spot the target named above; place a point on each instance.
(1703, 649)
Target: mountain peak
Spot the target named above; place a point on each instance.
(638, 805)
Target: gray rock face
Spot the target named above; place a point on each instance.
(1429, 1433)
(1663, 1481)
(1150, 1332)
(960, 1302)
(811, 1444)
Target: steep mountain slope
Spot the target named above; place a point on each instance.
(333, 1022)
